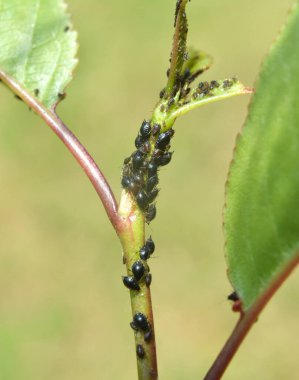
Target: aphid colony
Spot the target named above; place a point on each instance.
(140, 179)
(140, 271)
(140, 323)
(206, 88)
(140, 171)
(140, 268)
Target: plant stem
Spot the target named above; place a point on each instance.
(132, 237)
(179, 45)
(245, 323)
(84, 159)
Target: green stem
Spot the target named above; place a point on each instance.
(132, 237)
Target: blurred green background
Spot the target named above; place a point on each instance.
(64, 313)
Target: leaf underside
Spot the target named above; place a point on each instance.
(38, 46)
(261, 218)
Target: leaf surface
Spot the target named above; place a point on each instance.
(38, 46)
(261, 218)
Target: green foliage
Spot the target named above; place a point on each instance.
(37, 46)
(262, 203)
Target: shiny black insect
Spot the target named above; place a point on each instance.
(148, 249)
(156, 129)
(140, 322)
(148, 279)
(140, 351)
(150, 213)
(150, 245)
(233, 296)
(145, 129)
(144, 253)
(142, 200)
(152, 169)
(134, 187)
(163, 140)
(138, 270)
(153, 195)
(164, 159)
(137, 159)
(151, 183)
(138, 178)
(125, 182)
(131, 283)
(36, 92)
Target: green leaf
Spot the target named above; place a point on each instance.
(37, 46)
(196, 64)
(262, 202)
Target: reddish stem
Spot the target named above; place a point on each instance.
(245, 323)
(84, 159)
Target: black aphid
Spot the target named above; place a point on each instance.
(164, 159)
(170, 102)
(150, 214)
(125, 182)
(162, 93)
(141, 322)
(134, 187)
(138, 178)
(144, 253)
(152, 195)
(130, 283)
(148, 279)
(140, 351)
(214, 84)
(142, 200)
(162, 141)
(151, 183)
(138, 270)
(36, 92)
(137, 159)
(145, 147)
(150, 245)
(145, 129)
(152, 169)
(233, 296)
(156, 129)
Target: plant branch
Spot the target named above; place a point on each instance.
(245, 323)
(132, 237)
(179, 45)
(84, 159)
